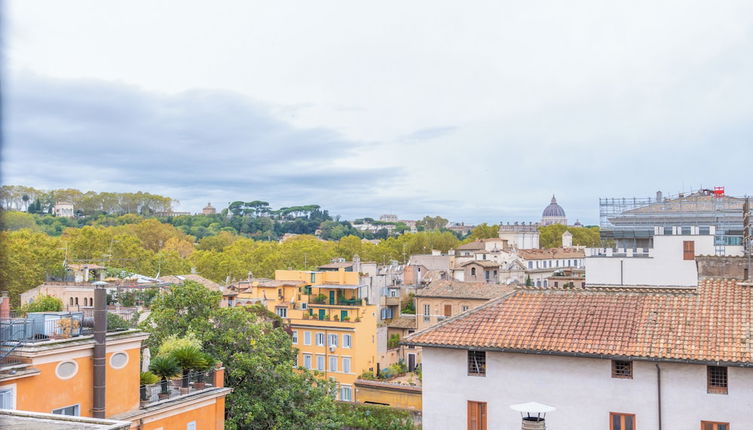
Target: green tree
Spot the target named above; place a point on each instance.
(14, 220)
(26, 258)
(550, 236)
(43, 303)
(484, 231)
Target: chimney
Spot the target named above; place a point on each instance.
(533, 415)
(100, 346)
(4, 306)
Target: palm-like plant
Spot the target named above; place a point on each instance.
(165, 367)
(189, 358)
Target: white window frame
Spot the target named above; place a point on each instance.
(346, 389)
(307, 337)
(347, 341)
(308, 365)
(191, 425)
(295, 337)
(346, 365)
(281, 311)
(320, 363)
(427, 313)
(320, 339)
(332, 360)
(333, 340)
(10, 391)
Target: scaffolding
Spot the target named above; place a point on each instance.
(633, 220)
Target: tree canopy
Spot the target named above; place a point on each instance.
(550, 236)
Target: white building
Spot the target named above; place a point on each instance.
(63, 209)
(608, 358)
(671, 261)
(541, 264)
(520, 236)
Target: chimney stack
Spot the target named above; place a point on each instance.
(5, 306)
(100, 347)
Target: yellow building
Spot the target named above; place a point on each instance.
(333, 326)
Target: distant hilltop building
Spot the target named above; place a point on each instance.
(388, 218)
(553, 214)
(63, 209)
(209, 209)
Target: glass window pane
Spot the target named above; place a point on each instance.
(616, 423)
(628, 422)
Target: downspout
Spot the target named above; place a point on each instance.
(658, 393)
(100, 339)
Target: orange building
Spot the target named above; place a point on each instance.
(47, 365)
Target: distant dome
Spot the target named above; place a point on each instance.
(553, 210)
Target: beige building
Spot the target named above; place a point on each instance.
(209, 210)
(444, 299)
(74, 295)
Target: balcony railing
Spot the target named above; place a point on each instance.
(341, 301)
(197, 381)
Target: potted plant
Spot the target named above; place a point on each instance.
(147, 378)
(188, 358)
(165, 367)
(200, 384)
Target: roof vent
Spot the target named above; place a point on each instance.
(533, 415)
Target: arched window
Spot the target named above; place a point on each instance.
(71, 301)
(76, 301)
(473, 271)
(538, 283)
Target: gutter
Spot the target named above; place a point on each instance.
(747, 364)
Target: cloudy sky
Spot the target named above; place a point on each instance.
(477, 111)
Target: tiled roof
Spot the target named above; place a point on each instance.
(403, 321)
(179, 279)
(713, 323)
(468, 290)
(470, 246)
(482, 263)
(551, 253)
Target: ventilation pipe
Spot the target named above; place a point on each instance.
(533, 415)
(100, 344)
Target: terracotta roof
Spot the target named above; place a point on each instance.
(470, 246)
(343, 264)
(711, 323)
(482, 263)
(551, 253)
(467, 290)
(179, 279)
(403, 321)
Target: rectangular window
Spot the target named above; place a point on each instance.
(320, 363)
(333, 340)
(307, 361)
(346, 393)
(304, 306)
(282, 312)
(530, 264)
(713, 425)
(347, 341)
(716, 379)
(307, 338)
(622, 369)
(685, 231)
(191, 425)
(320, 339)
(332, 364)
(346, 364)
(295, 337)
(73, 411)
(6, 398)
(427, 313)
(620, 421)
(476, 415)
(477, 363)
(705, 231)
(465, 308)
(688, 250)
(448, 310)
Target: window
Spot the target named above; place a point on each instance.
(307, 361)
(118, 360)
(716, 379)
(304, 306)
(320, 339)
(473, 271)
(667, 231)
(685, 231)
(712, 425)
(191, 425)
(279, 293)
(704, 231)
(320, 363)
(620, 421)
(346, 364)
(66, 369)
(688, 250)
(347, 341)
(295, 337)
(332, 364)
(7, 396)
(71, 301)
(622, 369)
(73, 411)
(530, 264)
(307, 338)
(313, 279)
(477, 363)
(282, 312)
(346, 393)
(465, 308)
(448, 310)
(333, 340)
(427, 313)
(476, 415)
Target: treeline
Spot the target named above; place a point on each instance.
(150, 247)
(32, 200)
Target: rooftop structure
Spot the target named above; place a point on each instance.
(209, 209)
(553, 214)
(631, 221)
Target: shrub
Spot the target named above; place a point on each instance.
(43, 303)
(115, 322)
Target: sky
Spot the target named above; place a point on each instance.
(476, 111)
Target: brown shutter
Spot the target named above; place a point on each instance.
(476, 415)
(448, 310)
(688, 250)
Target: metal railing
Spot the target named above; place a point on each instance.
(197, 381)
(20, 329)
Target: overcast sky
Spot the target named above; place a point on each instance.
(477, 111)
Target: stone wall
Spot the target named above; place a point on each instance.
(721, 267)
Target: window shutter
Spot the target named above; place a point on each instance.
(688, 250)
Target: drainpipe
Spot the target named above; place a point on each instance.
(658, 393)
(100, 339)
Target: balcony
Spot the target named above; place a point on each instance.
(321, 299)
(197, 381)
